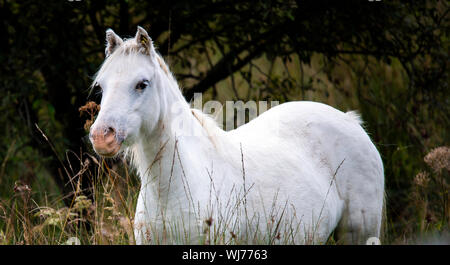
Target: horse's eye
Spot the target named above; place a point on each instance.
(97, 87)
(142, 85)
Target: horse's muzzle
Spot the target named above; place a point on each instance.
(105, 141)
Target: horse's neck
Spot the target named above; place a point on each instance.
(168, 160)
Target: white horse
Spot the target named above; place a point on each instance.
(295, 174)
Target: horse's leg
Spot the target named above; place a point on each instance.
(141, 229)
(362, 217)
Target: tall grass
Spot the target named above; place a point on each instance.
(107, 217)
(104, 219)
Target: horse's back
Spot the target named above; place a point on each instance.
(331, 140)
(315, 129)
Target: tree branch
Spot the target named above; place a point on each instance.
(226, 65)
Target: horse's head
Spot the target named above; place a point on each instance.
(130, 87)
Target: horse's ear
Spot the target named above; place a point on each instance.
(144, 42)
(112, 42)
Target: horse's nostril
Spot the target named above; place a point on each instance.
(110, 131)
